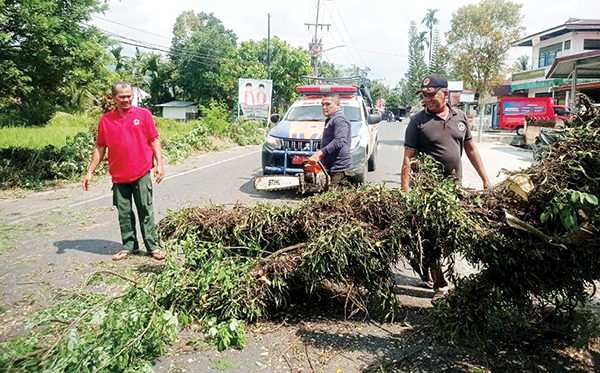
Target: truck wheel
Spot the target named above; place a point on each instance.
(372, 163)
(520, 130)
(361, 178)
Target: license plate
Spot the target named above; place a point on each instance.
(299, 159)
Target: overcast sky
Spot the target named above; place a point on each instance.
(370, 33)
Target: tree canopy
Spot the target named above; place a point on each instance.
(46, 55)
(288, 65)
(203, 50)
(479, 39)
(417, 68)
(430, 21)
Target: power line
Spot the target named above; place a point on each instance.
(131, 27)
(194, 56)
(342, 37)
(159, 47)
(384, 53)
(350, 36)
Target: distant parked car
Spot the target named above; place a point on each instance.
(399, 113)
(389, 116)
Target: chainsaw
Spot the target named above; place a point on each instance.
(314, 179)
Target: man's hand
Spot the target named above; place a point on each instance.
(316, 157)
(486, 184)
(87, 181)
(159, 173)
(97, 157)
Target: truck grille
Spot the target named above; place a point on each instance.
(302, 145)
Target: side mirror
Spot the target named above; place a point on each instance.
(275, 118)
(374, 118)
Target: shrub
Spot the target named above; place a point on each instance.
(215, 118)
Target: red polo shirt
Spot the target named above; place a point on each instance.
(128, 138)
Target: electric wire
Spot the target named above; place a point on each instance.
(350, 37)
(131, 27)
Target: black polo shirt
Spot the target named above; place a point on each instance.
(443, 139)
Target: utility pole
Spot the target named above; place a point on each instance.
(269, 46)
(316, 47)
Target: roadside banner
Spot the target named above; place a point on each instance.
(254, 98)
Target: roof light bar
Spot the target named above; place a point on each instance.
(316, 89)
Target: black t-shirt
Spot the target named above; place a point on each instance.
(443, 139)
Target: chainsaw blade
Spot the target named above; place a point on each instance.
(276, 182)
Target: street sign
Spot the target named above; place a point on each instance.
(315, 49)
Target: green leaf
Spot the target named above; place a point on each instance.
(576, 197)
(98, 317)
(591, 199)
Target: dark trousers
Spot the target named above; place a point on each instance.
(336, 177)
(139, 191)
(436, 275)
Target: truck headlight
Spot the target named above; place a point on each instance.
(274, 142)
(355, 142)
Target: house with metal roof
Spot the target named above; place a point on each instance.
(555, 54)
(180, 110)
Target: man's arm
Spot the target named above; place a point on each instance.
(477, 163)
(159, 171)
(97, 157)
(405, 173)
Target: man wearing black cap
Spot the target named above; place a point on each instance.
(442, 132)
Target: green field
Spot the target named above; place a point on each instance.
(63, 125)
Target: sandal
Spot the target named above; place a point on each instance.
(158, 254)
(123, 254)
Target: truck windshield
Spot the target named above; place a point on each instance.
(314, 113)
(561, 112)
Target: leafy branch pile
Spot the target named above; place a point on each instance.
(23, 167)
(537, 249)
(89, 332)
(534, 248)
(245, 262)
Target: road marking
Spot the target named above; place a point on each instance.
(210, 165)
(25, 217)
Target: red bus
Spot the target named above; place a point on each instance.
(514, 111)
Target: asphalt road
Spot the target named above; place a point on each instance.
(58, 230)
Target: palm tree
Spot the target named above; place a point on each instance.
(120, 60)
(523, 62)
(429, 22)
(422, 40)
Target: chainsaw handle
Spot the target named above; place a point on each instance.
(324, 169)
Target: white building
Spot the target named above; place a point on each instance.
(180, 110)
(576, 37)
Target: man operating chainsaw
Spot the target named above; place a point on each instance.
(337, 137)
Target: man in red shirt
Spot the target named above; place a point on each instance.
(130, 134)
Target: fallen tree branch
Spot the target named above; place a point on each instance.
(284, 250)
(309, 362)
(31, 354)
(517, 223)
(131, 343)
(290, 346)
(75, 322)
(108, 272)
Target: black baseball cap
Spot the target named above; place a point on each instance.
(433, 83)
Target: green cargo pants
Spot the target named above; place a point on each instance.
(139, 191)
